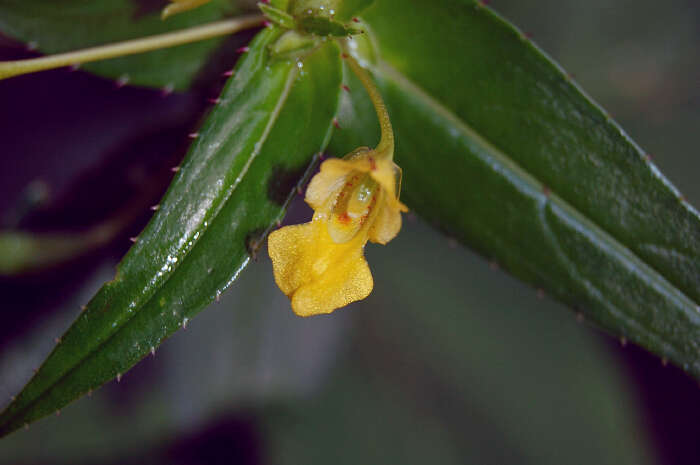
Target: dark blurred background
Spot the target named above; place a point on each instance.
(448, 361)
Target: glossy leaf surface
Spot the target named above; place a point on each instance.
(232, 188)
(502, 151)
(53, 27)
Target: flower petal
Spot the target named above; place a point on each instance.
(327, 182)
(320, 265)
(345, 282)
(288, 248)
(388, 175)
(317, 274)
(386, 225)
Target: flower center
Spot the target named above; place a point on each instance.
(352, 207)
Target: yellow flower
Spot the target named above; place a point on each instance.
(320, 265)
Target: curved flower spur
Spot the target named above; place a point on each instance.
(320, 265)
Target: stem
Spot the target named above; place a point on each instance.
(386, 143)
(176, 7)
(130, 47)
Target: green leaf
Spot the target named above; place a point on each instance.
(232, 188)
(54, 27)
(501, 150)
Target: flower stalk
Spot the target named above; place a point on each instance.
(320, 265)
(386, 143)
(130, 47)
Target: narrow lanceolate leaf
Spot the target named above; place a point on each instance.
(502, 151)
(52, 27)
(232, 188)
